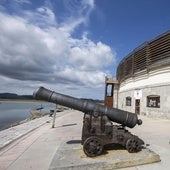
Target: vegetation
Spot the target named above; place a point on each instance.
(15, 96)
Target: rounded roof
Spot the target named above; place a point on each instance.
(148, 56)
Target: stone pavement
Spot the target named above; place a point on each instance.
(9, 135)
(35, 150)
(36, 146)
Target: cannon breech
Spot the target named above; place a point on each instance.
(97, 124)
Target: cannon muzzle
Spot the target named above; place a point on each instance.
(87, 106)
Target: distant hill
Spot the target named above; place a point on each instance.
(14, 96)
(95, 100)
(25, 97)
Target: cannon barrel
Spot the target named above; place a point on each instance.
(87, 106)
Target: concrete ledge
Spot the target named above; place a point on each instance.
(10, 135)
(71, 156)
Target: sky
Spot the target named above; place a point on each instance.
(69, 46)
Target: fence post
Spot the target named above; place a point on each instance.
(54, 115)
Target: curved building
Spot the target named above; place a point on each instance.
(144, 79)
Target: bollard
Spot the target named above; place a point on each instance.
(55, 111)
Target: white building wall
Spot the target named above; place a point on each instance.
(154, 83)
(154, 78)
(115, 96)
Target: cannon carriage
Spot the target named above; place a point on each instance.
(98, 129)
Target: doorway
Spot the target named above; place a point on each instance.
(137, 106)
(109, 94)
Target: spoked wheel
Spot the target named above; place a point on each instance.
(132, 145)
(93, 146)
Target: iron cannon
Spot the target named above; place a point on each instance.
(98, 129)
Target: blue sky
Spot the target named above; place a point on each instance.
(71, 45)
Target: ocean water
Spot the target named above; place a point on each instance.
(12, 112)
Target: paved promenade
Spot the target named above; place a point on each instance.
(33, 145)
(9, 135)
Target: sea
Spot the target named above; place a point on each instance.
(14, 111)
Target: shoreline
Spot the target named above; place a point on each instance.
(35, 114)
(21, 100)
(15, 112)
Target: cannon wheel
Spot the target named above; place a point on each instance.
(132, 145)
(93, 146)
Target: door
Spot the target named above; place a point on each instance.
(137, 106)
(109, 95)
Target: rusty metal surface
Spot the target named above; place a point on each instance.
(98, 130)
(108, 101)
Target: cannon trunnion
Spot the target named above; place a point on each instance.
(98, 129)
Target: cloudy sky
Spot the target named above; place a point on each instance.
(71, 45)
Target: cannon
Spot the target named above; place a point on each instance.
(98, 129)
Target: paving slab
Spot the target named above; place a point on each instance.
(9, 135)
(49, 148)
(70, 156)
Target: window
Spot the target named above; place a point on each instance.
(153, 101)
(109, 90)
(128, 101)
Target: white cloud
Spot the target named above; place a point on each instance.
(41, 17)
(33, 55)
(90, 56)
(79, 12)
(22, 1)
